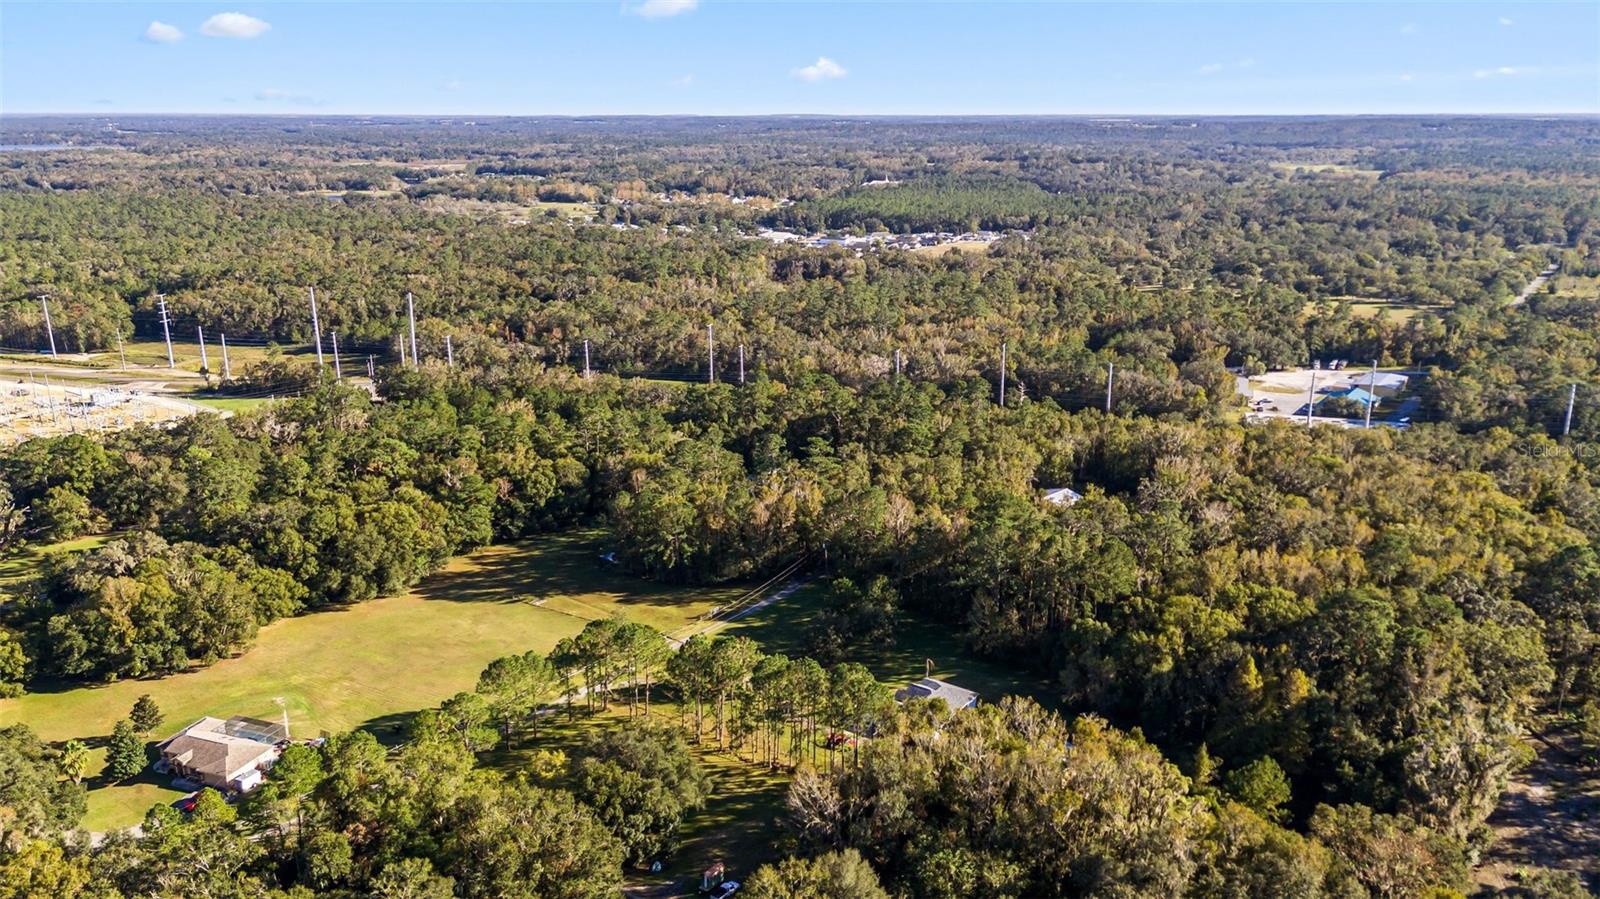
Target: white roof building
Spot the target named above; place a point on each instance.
(1061, 496)
(1392, 382)
(933, 688)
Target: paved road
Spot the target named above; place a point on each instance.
(1535, 285)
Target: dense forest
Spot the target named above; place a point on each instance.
(1289, 661)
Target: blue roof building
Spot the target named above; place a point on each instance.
(1355, 393)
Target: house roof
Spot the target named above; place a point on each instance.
(1355, 393)
(1061, 496)
(221, 748)
(933, 688)
(1385, 379)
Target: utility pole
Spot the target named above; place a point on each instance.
(1002, 374)
(1372, 382)
(586, 360)
(897, 363)
(1572, 400)
(51, 397)
(49, 329)
(741, 365)
(450, 352)
(200, 334)
(166, 328)
(711, 356)
(338, 370)
(1311, 397)
(411, 313)
(402, 350)
(1111, 372)
(316, 325)
(372, 369)
(227, 370)
(120, 354)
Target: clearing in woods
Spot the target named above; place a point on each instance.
(371, 664)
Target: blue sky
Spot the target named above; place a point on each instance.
(711, 57)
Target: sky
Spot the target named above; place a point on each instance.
(718, 57)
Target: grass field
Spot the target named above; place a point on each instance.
(1393, 310)
(371, 664)
(1327, 168)
(965, 246)
(25, 564)
(152, 354)
(230, 403)
(1581, 286)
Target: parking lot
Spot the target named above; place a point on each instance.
(1284, 394)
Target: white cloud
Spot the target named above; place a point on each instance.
(1405, 76)
(234, 24)
(683, 81)
(1501, 72)
(821, 70)
(162, 33)
(1210, 68)
(454, 84)
(1505, 22)
(1246, 63)
(661, 9)
(1408, 28)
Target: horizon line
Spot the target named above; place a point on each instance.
(307, 113)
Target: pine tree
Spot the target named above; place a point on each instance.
(125, 755)
(146, 715)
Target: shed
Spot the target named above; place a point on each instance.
(1061, 496)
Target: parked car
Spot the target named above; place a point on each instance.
(728, 888)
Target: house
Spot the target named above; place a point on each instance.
(1383, 383)
(231, 755)
(1355, 394)
(1061, 496)
(933, 688)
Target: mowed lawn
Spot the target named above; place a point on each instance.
(371, 664)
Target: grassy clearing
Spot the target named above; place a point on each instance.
(153, 354)
(965, 246)
(782, 627)
(1328, 168)
(372, 664)
(230, 403)
(1393, 310)
(24, 564)
(1580, 286)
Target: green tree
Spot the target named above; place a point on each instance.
(125, 752)
(832, 875)
(146, 715)
(520, 840)
(14, 666)
(1261, 786)
(411, 878)
(1390, 855)
(75, 761)
(515, 687)
(42, 868)
(38, 803)
(641, 780)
